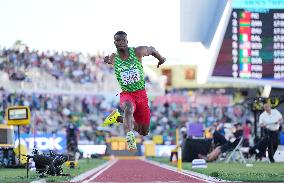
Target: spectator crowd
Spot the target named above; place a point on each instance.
(52, 112)
(77, 67)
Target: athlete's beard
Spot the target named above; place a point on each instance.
(122, 50)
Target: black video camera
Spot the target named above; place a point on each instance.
(48, 164)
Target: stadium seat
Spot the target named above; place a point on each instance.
(236, 154)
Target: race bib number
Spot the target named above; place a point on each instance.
(130, 76)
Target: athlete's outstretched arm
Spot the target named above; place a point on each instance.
(109, 59)
(142, 51)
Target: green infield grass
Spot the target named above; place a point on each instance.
(19, 175)
(260, 171)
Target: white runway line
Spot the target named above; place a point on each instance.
(83, 176)
(192, 174)
(100, 171)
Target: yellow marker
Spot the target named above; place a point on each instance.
(18, 115)
(179, 159)
(20, 151)
(179, 164)
(72, 164)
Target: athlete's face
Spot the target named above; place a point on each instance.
(120, 42)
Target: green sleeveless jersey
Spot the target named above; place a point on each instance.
(129, 73)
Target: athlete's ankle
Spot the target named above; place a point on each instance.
(119, 119)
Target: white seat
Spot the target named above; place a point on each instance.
(236, 154)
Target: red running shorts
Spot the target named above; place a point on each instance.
(139, 100)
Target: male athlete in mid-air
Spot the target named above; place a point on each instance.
(127, 63)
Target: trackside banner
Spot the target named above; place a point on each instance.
(44, 142)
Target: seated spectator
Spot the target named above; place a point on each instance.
(228, 146)
(247, 133)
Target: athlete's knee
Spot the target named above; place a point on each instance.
(144, 132)
(136, 127)
(128, 107)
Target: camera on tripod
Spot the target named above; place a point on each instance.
(47, 164)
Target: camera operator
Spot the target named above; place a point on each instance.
(270, 120)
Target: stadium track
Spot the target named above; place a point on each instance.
(142, 171)
(139, 171)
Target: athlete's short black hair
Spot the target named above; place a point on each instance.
(120, 33)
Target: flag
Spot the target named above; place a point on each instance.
(245, 68)
(246, 60)
(245, 18)
(245, 53)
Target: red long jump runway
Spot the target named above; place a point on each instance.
(140, 171)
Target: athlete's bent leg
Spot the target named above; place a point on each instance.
(142, 118)
(137, 127)
(143, 129)
(119, 119)
(128, 109)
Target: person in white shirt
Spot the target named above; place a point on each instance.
(270, 120)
